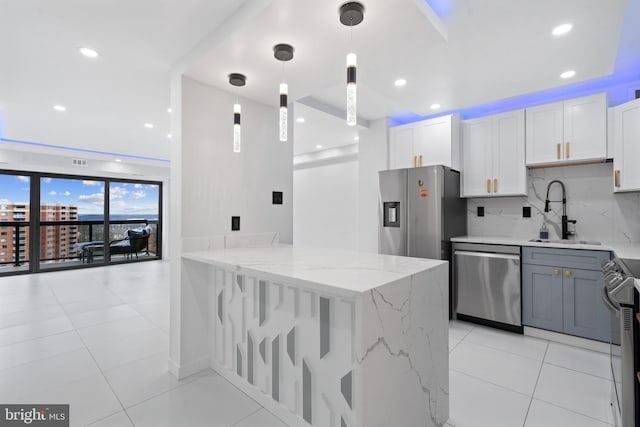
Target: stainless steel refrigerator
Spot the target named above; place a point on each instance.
(420, 211)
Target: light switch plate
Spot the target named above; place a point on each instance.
(276, 197)
(235, 223)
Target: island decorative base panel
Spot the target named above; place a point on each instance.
(377, 358)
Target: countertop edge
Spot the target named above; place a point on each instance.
(197, 256)
(621, 250)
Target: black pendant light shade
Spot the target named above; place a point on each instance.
(283, 52)
(351, 13)
(237, 79)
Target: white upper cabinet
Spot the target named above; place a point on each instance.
(509, 170)
(425, 143)
(545, 133)
(493, 152)
(400, 147)
(568, 131)
(626, 147)
(477, 139)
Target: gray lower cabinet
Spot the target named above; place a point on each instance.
(542, 297)
(585, 315)
(564, 293)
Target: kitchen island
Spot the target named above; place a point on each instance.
(323, 337)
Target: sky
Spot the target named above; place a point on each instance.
(126, 198)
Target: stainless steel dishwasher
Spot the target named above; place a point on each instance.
(487, 285)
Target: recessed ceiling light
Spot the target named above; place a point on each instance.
(568, 74)
(169, 110)
(400, 82)
(148, 125)
(89, 53)
(300, 120)
(561, 30)
(118, 160)
(318, 146)
(356, 138)
(435, 106)
(169, 136)
(60, 108)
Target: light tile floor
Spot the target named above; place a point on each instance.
(97, 339)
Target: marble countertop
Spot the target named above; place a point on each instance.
(346, 271)
(624, 250)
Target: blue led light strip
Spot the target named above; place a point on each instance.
(84, 150)
(607, 83)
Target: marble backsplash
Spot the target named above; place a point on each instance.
(601, 215)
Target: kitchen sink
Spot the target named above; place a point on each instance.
(568, 242)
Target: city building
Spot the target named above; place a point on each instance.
(14, 240)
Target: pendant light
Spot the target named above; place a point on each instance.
(283, 53)
(237, 80)
(351, 14)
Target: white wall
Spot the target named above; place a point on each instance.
(372, 158)
(217, 183)
(346, 176)
(325, 205)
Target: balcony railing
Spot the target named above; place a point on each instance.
(86, 231)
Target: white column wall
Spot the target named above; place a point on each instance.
(210, 184)
(372, 158)
(218, 183)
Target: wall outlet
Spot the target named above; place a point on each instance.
(276, 197)
(480, 211)
(526, 212)
(235, 223)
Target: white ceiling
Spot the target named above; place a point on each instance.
(319, 128)
(495, 49)
(108, 99)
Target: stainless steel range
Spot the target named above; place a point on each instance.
(620, 296)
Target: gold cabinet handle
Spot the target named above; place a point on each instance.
(567, 273)
(559, 151)
(415, 161)
(567, 150)
(556, 272)
(488, 186)
(495, 185)
(616, 176)
(420, 160)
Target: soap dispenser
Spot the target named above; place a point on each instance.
(544, 232)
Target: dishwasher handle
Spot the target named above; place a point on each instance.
(488, 255)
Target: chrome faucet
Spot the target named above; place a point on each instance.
(565, 221)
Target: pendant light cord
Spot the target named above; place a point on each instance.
(351, 35)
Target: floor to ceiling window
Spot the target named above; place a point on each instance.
(74, 212)
(15, 196)
(65, 205)
(133, 219)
